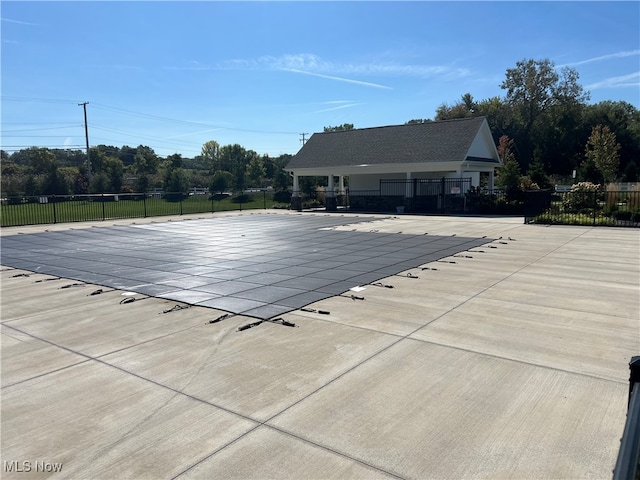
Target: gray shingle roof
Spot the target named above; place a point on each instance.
(442, 141)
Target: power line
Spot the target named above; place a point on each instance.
(22, 147)
(37, 129)
(6, 98)
(114, 130)
(36, 123)
(186, 122)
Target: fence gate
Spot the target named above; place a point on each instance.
(535, 203)
(429, 195)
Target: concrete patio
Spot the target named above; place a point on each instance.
(508, 360)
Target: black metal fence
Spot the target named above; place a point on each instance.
(453, 196)
(45, 209)
(611, 208)
(628, 462)
(579, 207)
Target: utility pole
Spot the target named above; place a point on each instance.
(86, 136)
(303, 139)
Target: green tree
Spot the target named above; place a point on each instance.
(235, 159)
(210, 155)
(465, 108)
(81, 183)
(176, 180)
(509, 173)
(623, 119)
(41, 160)
(340, 128)
(221, 182)
(142, 184)
(631, 172)
(281, 179)
(417, 121)
(114, 169)
(100, 183)
(255, 171)
(533, 88)
(127, 154)
(537, 175)
(31, 186)
(603, 149)
(145, 160)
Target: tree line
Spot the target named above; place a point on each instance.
(44, 171)
(544, 129)
(548, 129)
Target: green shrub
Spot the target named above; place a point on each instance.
(242, 198)
(583, 196)
(282, 197)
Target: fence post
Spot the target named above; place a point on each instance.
(212, 210)
(53, 200)
(181, 204)
(241, 194)
(595, 206)
(104, 215)
(264, 198)
(144, 203)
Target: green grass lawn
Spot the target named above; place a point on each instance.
(86, 209)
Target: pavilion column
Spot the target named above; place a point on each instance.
(408, 203)
(331, 202)
(408, 186)
(342, 194)
(296, 199)
(490, 183)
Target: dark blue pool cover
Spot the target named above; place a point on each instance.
(260, 265)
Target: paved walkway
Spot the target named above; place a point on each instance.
(509, 360)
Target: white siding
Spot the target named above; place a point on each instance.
(479, 147)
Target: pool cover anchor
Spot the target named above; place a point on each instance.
(279, 321)
(313, 310)
(175, 308)
(72, 285)
(219, 319)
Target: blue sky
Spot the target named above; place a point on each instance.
(173, 75)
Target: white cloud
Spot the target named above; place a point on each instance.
(311, 64)
(341, 79)
(631, 80)
(19, 22)
(348, 105)
(610, 56)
